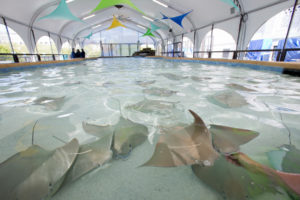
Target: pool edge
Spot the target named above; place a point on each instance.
(279, 67)
(33, 65)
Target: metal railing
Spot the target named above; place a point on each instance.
(23, 58)
(266, 54)
(173, 54)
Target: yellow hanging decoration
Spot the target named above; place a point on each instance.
(115, 23)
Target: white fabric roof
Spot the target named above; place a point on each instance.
(205, 13)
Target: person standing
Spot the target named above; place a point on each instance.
(73, 53)
(77, 54)
(82, 54)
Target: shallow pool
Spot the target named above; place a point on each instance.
(156, 94)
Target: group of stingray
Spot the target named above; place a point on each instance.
(225, 99)
(213, 153)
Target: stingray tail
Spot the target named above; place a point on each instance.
(198, 120)
(32, 139)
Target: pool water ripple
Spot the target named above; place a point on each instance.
(98, 91)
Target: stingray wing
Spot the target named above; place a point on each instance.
(16, 169)
(228, 100)
(91, 156)
(290, 182)
(96, 130)
(228, 139)
(291, 161)
(184, 146)
(233, 182)
(128, 135)
(286, 159)
(44, 177)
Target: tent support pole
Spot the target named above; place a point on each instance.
(283, 50)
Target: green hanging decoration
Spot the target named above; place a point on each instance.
(148, 33)
(61, 12)
(109, 3)
(89, 36)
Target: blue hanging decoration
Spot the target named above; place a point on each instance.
(61, 12)
(178, 20)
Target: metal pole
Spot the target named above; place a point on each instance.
(182, 44)
(35, 44)
(211, 40)
(15, 57)
(195, 35)
(235, 55)
(53, 57)
(8, 34)
(129, 49)
(283, 50)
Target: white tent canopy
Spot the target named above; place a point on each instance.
(22, 15)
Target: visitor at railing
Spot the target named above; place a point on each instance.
(77, 54)
(73, 53)
(82, 54)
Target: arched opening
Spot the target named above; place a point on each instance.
(271, 36)
(18, 44)
(188, 47)
(66, 48)
(45, 45)
(92, 46)
(159, 49)
(218, 40)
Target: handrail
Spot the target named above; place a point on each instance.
(279, 52)
(16, 56)
(30, 54)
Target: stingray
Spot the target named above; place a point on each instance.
(173, 77)
(228, 100)
(91, 156)
(286, 159)
(36, 173)
(145, 83)
(290, 182)
(152, 106)
(239, 87)
(228, 140)
(200, 79)
(234, 181)
(50, 103)
(72, 83)
(126, 135)
(193, 144)
(161, 92)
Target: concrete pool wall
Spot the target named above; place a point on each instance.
(291, 68)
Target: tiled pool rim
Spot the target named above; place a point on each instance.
(277, 67)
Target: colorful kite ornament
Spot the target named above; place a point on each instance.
(154, 27)
(178, 20)
(115, 23)
(231, 3)
(61, 12)
(148, 33)
(89, 36)
(109, 3)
